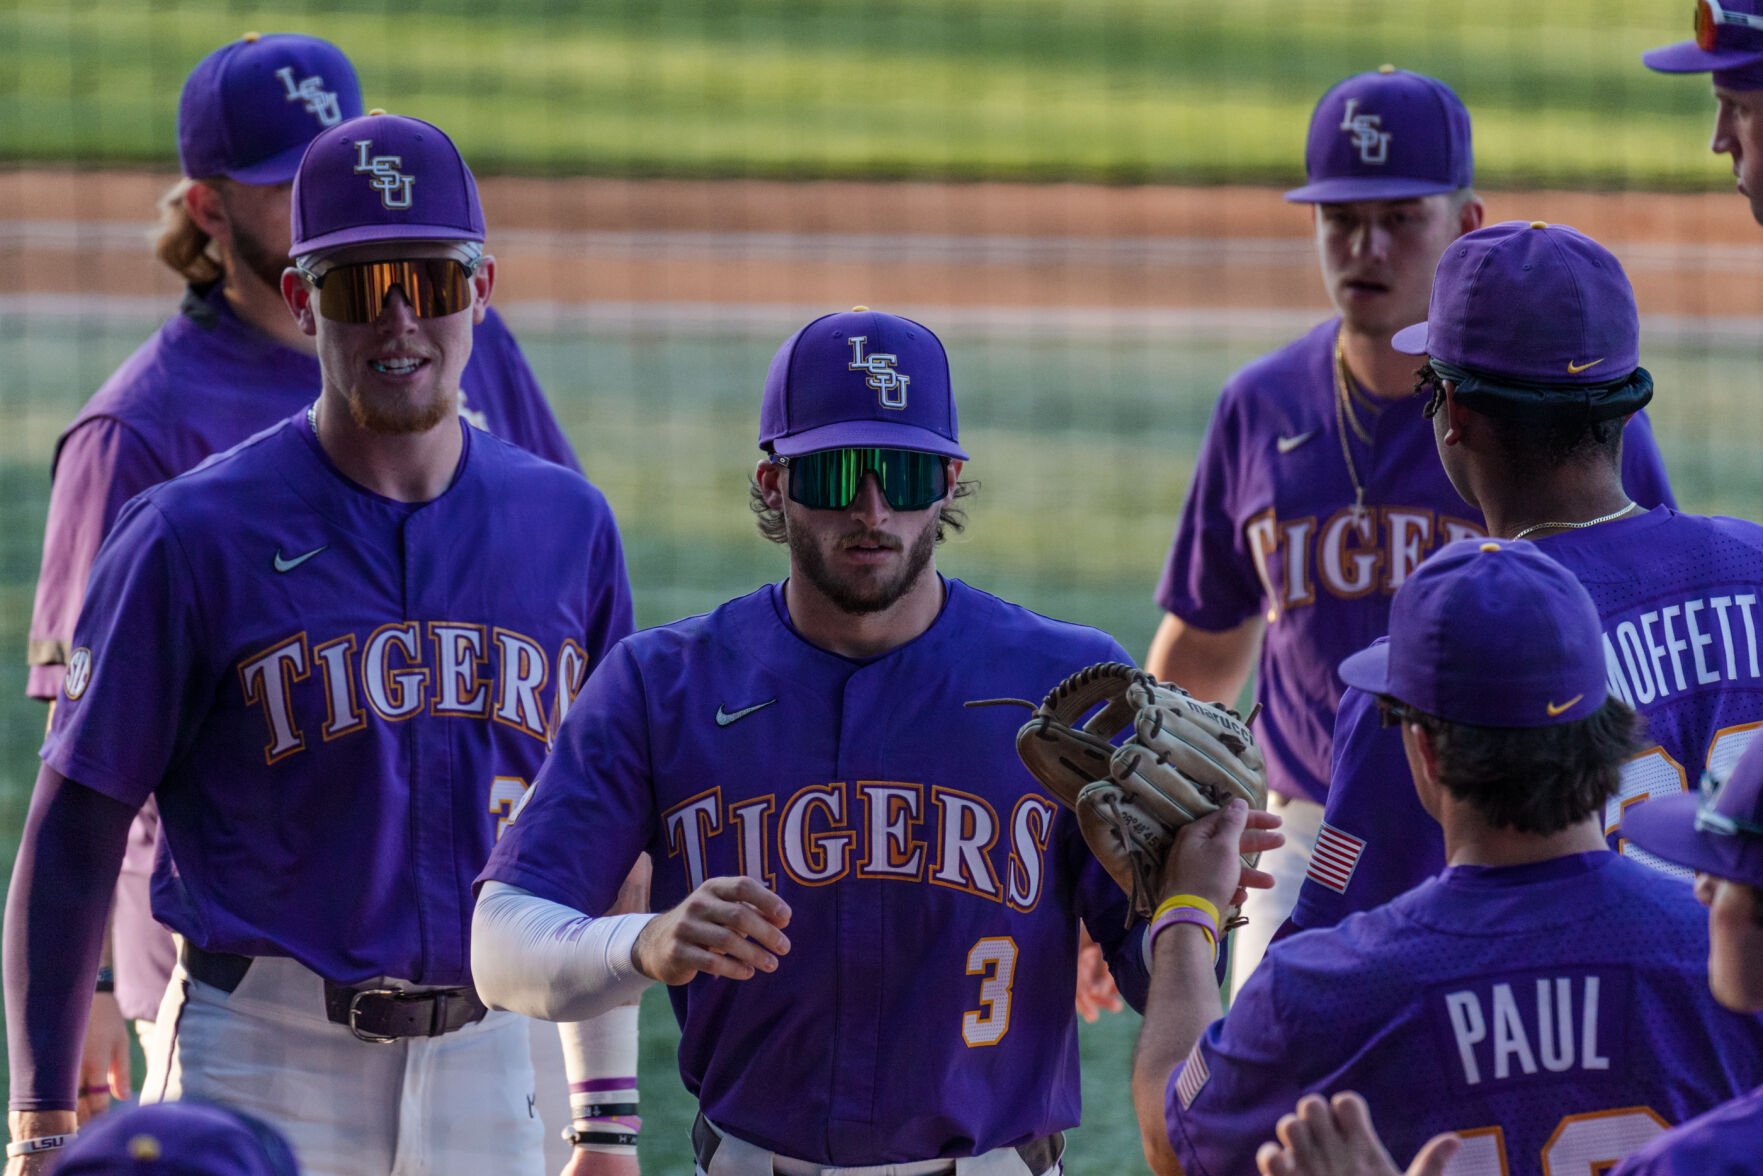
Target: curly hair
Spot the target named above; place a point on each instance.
(770, 519)
(1535, 779)
(181, 244)
(1559, 439)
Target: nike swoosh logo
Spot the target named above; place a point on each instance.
(1556, 712)
(288, 565)
(1287, 444)
(1573, 369)
(724, 718)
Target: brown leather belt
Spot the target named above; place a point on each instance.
(1038, 1155)
(377, 1015)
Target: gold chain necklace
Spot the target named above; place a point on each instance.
(1609, 518)
(1342, 416)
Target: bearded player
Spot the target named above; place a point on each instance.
(1728, 43)
(1543, 997)
(1528, 418)
(333, 655)
(1316, 491)
(230, 363)
(869, 911)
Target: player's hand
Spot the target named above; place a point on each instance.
(105, 1070)
(35, 1125)
(1096, 992)
(583, 1162)
(729, 927)
(1206, 859)
(1337, 1139)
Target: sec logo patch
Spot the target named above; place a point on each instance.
(79, 672)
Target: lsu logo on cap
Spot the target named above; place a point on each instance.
(320, 102)
(888, 381)
(1368, 136)
(79, 673)
(392, 185)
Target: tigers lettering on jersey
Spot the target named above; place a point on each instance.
(455, 670)
(1355, 552)
(882, 829)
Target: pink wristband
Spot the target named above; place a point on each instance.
(1186, 915)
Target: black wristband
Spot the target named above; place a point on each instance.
(601, 1138)
(106, 980)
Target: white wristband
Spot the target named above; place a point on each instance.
(43, 1143)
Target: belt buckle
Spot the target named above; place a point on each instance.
(355, 1013)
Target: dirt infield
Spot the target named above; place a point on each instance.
(903, 244)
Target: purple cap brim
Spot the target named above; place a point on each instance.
(1689, 57)
(367, 234)
(1345, 189)
(1666, 828)
(277, 169)
(1369, 669)
(1410, 340)
(878, 434)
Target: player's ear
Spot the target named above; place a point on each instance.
(1471, 216)
(769, 475)
(483, 280)
(1456, 416)
(298, 295)
(202, 201)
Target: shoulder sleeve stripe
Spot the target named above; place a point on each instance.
(1193, 1077)
(1335, 858)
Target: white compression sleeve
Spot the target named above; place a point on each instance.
(543, 959)
(601, 1057)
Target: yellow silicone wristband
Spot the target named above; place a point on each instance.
(1192, 901)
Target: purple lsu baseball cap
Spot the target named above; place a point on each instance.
(1738, 43)
(1386, 135)
(178, 1139)
(249, 109)
(1489, 633)
(383, 177)
(1718, 831)
(1532, 302)
(859, 378)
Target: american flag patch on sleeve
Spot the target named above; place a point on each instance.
(1333, 860)
(1193, 1077)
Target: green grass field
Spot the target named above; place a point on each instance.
(1118, 90)
(1081, 441)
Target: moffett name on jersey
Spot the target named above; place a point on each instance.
(1682, 647)
(454, 669)
(876, 829)
(1531, 1026)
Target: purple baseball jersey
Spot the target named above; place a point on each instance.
(204, 382)
(1269, 528)
(336, 698)
(1678, 597)
(1557, 1015)
(1727, 1141)
(925, 1007)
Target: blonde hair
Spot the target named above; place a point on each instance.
(182, 245)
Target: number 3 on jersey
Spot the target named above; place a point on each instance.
(1654, 773)
(993, 959)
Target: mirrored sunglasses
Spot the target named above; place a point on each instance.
(1709, 821)
(830, 478)
(357, 292)
(1710, 17)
